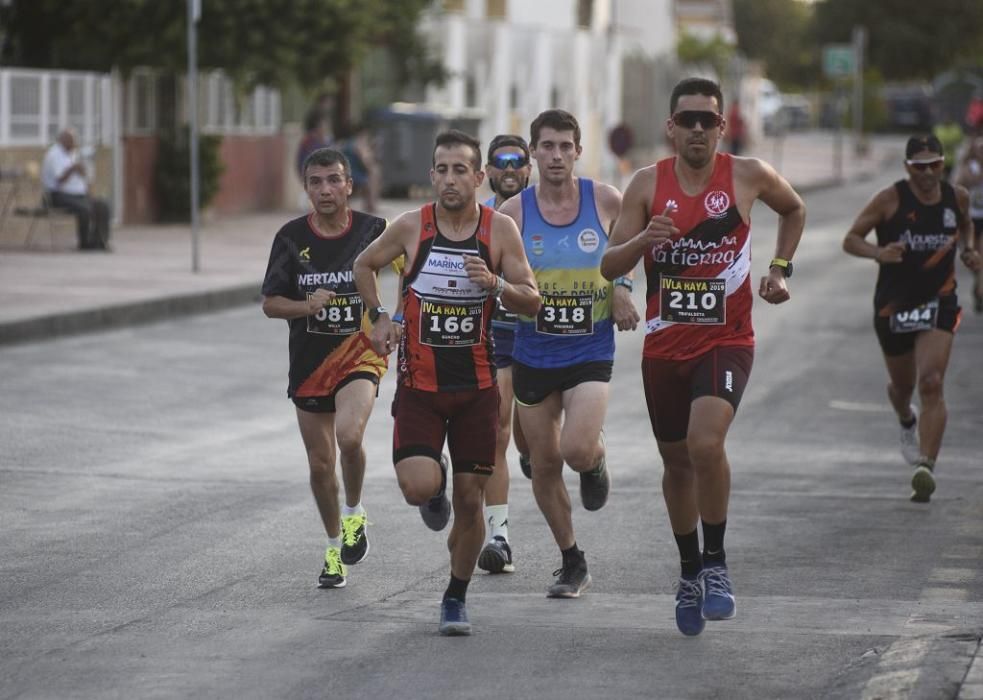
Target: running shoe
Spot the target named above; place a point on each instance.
(596, 484)
(496, 557)
(354, 540)
(689, 606)
(525, 465)
(333, 573)
(909, 440)
(718, 600)
(571, 581)
(922, 483)
(454, 618)
(437, 511)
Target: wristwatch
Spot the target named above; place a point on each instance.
(625, 282)
(375, 312)
(783, 264)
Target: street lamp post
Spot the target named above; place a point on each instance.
(194, 14)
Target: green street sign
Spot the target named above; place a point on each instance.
(838, 60)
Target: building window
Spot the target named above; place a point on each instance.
(585, 13)
(454, 5)
(495, 9)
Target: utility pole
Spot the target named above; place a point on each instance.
(859, 46)
(194, 14)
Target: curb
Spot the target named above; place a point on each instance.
(124, 315)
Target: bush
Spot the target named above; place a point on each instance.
(173, 176)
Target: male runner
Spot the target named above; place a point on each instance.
(688, 217)
(508, 169)
(454, 250)
(563, 355)
(916, 313)
(334, 372)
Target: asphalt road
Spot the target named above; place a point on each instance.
(158, 538)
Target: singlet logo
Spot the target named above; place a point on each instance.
(717, 203)
(671, 204)
(305, 254)
(588, 240)
(949, 218)
(537, 245)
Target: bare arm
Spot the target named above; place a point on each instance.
(381, 252)
(969, 256)
(775, 192)
(877, 210)
(521, 293)
(289, 309)
(634, 231)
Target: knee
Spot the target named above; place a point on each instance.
(930, 385)
(705, 451)
(322, 470)
(468, 504)
(349, 441)
(580, 455)
(414, 491)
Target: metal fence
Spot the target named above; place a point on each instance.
(34, 104)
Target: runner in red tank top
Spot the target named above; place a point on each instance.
(460, 256)
(689, 218)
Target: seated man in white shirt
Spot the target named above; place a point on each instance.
(63, 176)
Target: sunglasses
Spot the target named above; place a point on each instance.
(690, 118)
(923, 165)
(515, 160)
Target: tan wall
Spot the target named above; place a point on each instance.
(139, 194)
(253, 175)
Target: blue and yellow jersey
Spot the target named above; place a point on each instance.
(574, 324)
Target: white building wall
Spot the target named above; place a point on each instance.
(538, 51)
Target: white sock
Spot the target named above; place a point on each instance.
(334, 542)
(356, 509)
(498, 521)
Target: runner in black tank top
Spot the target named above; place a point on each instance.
(920, 222)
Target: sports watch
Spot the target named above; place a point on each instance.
(375, 312)
(784, 265)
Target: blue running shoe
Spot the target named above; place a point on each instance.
(719, 601)
(454, 618)
(689, 600)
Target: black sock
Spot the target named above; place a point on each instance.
(573, 556)
(909, 424)
(457, 589)
(689, 553)
(713, 543)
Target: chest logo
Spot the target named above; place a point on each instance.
(588, 240)
(948, 218)
(305, 254)
(537, 245)
(717, 203)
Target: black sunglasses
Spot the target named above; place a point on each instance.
(516, 160)
(690, 118)
(922, 165)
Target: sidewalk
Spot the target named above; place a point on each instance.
(46, 293)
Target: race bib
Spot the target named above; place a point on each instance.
(695, 300)
(920, 318)
(342, 316)
(566, 315)
(450, 325)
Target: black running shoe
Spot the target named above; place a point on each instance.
(496, 557)
(354, 540)
(595, 486)
(437, 511)
(571, 581)
(525, 465)
(454, 618)
(333, 573)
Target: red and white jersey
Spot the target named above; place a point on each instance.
(698, 292)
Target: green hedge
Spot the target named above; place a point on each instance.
(173, 176)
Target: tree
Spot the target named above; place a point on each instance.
(778, 33)
(271, 42)
(907, 39)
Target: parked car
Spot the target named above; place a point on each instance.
(796, 112)
(909, 107)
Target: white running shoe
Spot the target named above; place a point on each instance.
(909, 440)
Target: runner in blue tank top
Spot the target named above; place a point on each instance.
(508, 169)
(563, 356)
